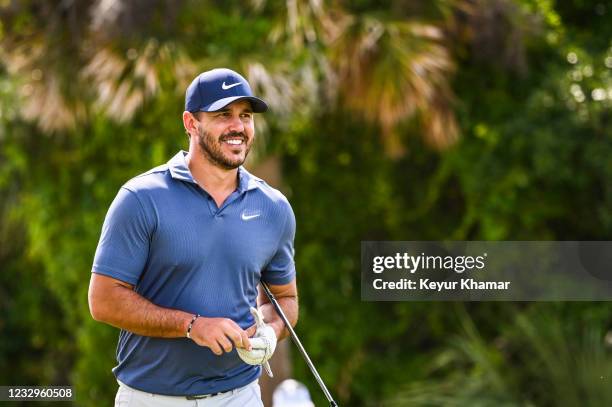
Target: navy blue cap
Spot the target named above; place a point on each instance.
(213, 90)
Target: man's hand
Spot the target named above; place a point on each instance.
(219, 334)
(263, 342)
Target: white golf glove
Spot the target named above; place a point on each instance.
(263, 343)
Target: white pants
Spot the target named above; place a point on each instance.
(247, 396)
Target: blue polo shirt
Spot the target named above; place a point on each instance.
(165, 235)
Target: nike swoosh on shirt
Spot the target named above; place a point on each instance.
(249, 217)
(226, 87)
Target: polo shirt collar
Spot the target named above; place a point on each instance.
(246, 180)
(178, 168)
(180, 171)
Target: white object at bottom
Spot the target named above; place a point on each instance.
(247, 396)
(291, 393)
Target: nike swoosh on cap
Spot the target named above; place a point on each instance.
(226, 87)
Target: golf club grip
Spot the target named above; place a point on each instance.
(299, 345)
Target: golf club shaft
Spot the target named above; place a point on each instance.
(297, 342)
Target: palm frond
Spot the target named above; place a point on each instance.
(123, 82)
(389, 71)
(535, 361)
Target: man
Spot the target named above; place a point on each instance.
(182, 250)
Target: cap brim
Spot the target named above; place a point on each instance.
(259, 106)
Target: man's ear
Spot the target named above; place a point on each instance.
(190, 123)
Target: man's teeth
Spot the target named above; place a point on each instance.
(234, 142)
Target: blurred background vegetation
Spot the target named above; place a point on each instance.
(392, 119)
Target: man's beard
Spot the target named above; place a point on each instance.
(212, 149)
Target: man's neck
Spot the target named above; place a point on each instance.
(217, 181)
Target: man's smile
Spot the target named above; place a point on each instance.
(236, 139)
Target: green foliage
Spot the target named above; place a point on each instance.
(532, 163)
(542, 358)
(86, 176)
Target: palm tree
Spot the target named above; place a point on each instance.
(79, 59)
(386, 70)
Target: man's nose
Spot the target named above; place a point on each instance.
(236, 124)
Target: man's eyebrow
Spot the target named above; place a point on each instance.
(227, 109)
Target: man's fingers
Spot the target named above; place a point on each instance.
(226, 344)
(236, 338)
(223, 335)
(246, 343)
(251, 330)
(237, 335)
(230, 324)
(216, 349)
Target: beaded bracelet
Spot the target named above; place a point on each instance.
(196, 316)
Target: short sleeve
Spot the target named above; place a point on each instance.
(281, 269)
(124, 243)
